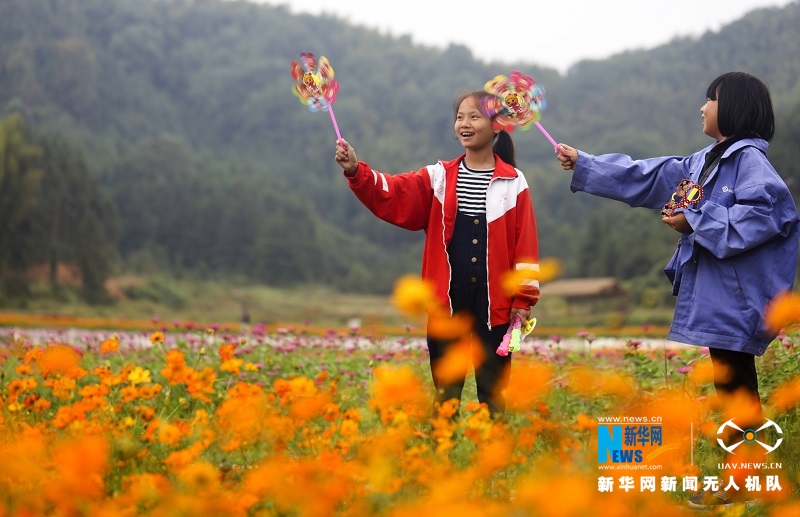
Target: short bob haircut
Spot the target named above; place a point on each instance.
(745, 105)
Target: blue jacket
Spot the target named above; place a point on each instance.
(742, 252)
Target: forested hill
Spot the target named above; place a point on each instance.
(175, 122)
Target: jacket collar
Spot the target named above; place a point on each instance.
(501, 168)
(759, 143)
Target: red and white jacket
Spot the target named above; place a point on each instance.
(427, 200)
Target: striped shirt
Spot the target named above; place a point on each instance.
(471, 189)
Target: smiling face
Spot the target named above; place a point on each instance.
(473, 129)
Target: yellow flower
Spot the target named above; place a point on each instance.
(157, 337)
(139, 376)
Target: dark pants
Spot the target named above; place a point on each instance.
(492, 371)
(469, 295)
(735, 373)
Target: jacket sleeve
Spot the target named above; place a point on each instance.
(526, 253)
(645, 183)
(401, 199)
(758, 215)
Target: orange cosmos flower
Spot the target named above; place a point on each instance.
(129, 393)
(303, 387)
(109, 345)
(549, 269)
(175, 371)
(529, 382)
(786, 395)
(200, 384)
(245, 390)
(23, 369)
(157, 337)
(494, 455)
(241, 419)
(19, 386)
(169, 434)
(398, 387)
(80, 466)
(783, 311)
(233, 366)
(585, 423)
(596, 383)
(447, 327)
(454, 365)
(226, 352)
(150, 392)
(703, 372)
(59, 359)
(62, 387)
(307, 408)
(413, 296)
(200, 477)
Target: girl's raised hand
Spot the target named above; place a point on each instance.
(568, 156)
(346, 156)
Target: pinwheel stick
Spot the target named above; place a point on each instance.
(335, 125)
(545, 133)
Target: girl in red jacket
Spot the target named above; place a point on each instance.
(479, 226)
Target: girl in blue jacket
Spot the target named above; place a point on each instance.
(739, 240)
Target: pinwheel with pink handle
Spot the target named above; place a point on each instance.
(516, 101)
(514, 335)
(316, 87)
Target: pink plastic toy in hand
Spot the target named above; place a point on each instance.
(514, 335)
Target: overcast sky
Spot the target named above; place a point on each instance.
(552, 33)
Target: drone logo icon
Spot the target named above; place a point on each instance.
(750, 435)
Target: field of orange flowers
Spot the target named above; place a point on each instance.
(203, 421)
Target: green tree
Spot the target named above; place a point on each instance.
(75, 221)
(20, 176)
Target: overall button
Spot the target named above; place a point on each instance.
(474, 279)
(474, 241)
(477, 221)
(474, 260)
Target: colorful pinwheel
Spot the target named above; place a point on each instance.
(315, 86)
(516, 101)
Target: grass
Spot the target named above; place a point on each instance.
(206, 301)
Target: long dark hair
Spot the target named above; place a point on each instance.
(503, 146)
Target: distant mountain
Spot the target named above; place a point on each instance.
(184, 111)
